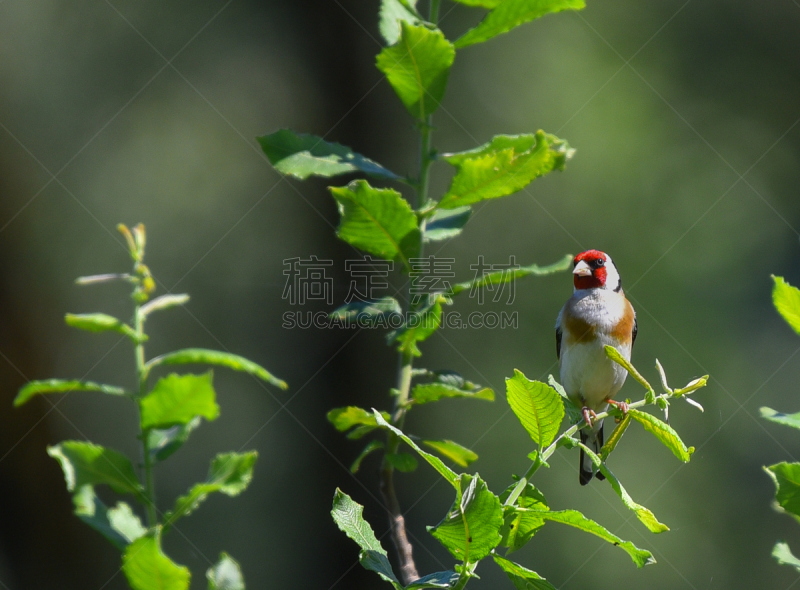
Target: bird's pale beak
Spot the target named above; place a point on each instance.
(582, 269)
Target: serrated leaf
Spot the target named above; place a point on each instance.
(417, 67)
(522, 577)
(368, 312)
(62, 386)
(225, 574)
(394, 12)
(404, 462)
(100, 322)
(507, 276)
(85, 463)
(783, 555)
(203, 356)
(163, 302)
(787, 301)
(446, 579)
(537, 406)
(119, 524)
(444, 224)
(512, 13)
(617, 357)
(347, 515)
(177, 399)
(640, 557)
(229, 474)
(458, 454)
(471, 528)
(645, 516)
(792, 420)
(423, 393)
(162, 442)
(615, 437)
(147, 568)
(434, 462)
(519, 526)
(787, 486)
(372, 445)
(503, 166)
(663, 432)
(302, 155)
(378, 221)
(419, 325)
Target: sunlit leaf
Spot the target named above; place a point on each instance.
(519, 526)
(471, 528)
(784, 556)
(343, 419)
(663, 432)
(787, 486)
(394, 12)
(787, 301)
(446, 223)
(162, 442)
(347, 515)
(85, 463)
(615, 437)
(449, 385)
(177, 399)
(119, 524)
(503, 166)
(507, 276)
(225, 574)
(100, 322)
(419, 325)
(62, 386)
(512, 13)
(147, 568)
(378, 221)
(522, 577)
(303, 155)
(460, 455)
(203, 356)
(163, 302)
(417, 67)
(792, 420)
(368, 312)
(572, 411)
(445, 579)
(617, 357)
(537, 406)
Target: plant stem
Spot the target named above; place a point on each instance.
(141, 375)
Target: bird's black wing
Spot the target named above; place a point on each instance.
(635, 330)
(558, 340)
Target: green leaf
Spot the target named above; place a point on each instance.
(177, 399)
(372, 445)
(522, 577)
(481, 3)
(100, 322)
(420, 325)
(458, 454)
(444, 224)
(471, 528)
(783, 555)
(503, 166)
(147, 568)
(230, 474)
(368, 312)
(640, 557)
(615, 437)
(302, 155)
(203, 356)
(162, 442)
(394, 12)
(225, 574)
(343, 419)
(119, 524)
(507, 276)
(62, 386)
(446, 579)
(663, 432)
(519, 526)
(378, 221)
(693, 385)
(792, 420)
(449, 384)
(402, 461)
(435, 462)
(572, 411)
(85, 463)
(163, 302)
(787, 486)
(417, 67)
(787, 301)
(348, 517)
(646, 517)
(510, 14)
(538, 407)
(617, 357)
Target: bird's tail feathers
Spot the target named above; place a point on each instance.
(594, 440)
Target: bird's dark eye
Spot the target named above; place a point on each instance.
(600, 262)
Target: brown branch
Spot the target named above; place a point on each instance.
(403, 549)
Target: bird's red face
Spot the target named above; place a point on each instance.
(590, 270)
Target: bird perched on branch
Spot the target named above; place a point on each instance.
(596, 315)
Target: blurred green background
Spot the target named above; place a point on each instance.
(684, 115)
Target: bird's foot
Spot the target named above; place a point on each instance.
(621, 406)
(588, 415)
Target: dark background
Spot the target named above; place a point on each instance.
(684, 115)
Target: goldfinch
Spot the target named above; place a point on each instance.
(597, 314)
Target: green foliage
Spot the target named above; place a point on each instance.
(787, 301)
(538, 407)
(792, 420)
(168, 414)
(522, 577)
(458, 454)
(665, 433)
(784, 556)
